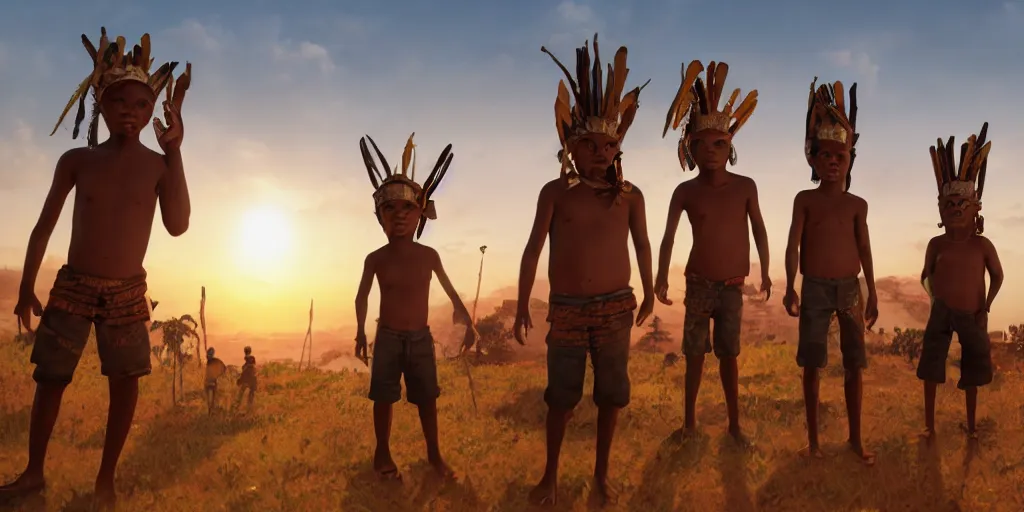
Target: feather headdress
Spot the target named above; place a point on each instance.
(597, 104)
(967, 180)
(112, 65)
(827, 120)
(395, 185)
(697, 103)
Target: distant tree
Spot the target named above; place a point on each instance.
(494, 337)
(1016, 338)
(655, 338)
(180, 337)
(907, 343)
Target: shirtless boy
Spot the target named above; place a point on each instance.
(718, 204)
(119, 183)
(954, 274)
(829, 239)
(247, 381)
(404, 268)
(590, 213)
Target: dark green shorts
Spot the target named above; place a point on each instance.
(819, 300)
(721, 301)
(408, 354)
(975, 347)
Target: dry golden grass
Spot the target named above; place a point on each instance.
(308, 443)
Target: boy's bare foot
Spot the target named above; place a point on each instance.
(546, 492)
(441, 468)
(812, 452)
(741, 440)
(927, 434)
(867, 458)
(971, 433)
(22, 486)
(604, 493)
(684, 434)
(105, 497)
(384, 466)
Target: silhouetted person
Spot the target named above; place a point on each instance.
(247, 380)
(215, 369)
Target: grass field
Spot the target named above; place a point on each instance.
(308, 443)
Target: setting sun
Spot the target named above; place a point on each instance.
(265, 240)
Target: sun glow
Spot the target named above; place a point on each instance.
(264, 241)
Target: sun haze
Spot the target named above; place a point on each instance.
(264, 241)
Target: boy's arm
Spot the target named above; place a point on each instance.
(63, 182)
(175, 206)
(796, 231)
(668, 240)
(641, 242)
(759, 230)
(442, 277)
(930, 255)
(362, 296)
(860, 230)
(538, 235)
(995, 272)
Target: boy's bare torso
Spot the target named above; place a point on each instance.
(115, 204)
(589, 242)
(404, 272)
(828, 246)
(958, 272)
(719, 226)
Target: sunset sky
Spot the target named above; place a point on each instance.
(282, 92)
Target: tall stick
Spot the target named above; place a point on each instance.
(308, 353)
(479, 280)
(202, 323)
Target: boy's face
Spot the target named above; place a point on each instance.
(832, 161)
(958, 211)
(710, 149)
(127, 108)
(594, 153)
(400, 218)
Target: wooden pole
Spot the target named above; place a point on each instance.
(479, 280)
(308, 353)
(202, 323)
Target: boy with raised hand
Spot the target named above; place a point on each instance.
(118, 184)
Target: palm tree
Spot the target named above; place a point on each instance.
(179, 336)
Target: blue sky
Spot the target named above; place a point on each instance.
(282, 91)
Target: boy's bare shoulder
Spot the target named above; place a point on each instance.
(984, 242)
(856, 200)
(426, 251)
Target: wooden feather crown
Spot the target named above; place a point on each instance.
(827, 119)
(597, 104)
(111, 65)
(960, 181)
(395, 185)
(697, 103)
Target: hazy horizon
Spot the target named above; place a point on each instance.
(281, 206)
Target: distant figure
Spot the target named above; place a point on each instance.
(215, 369)
(591, 212)
(954, 275)
(718, 204)
(403, 268)
(829, 240)
(118, 184)
(247, 381)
